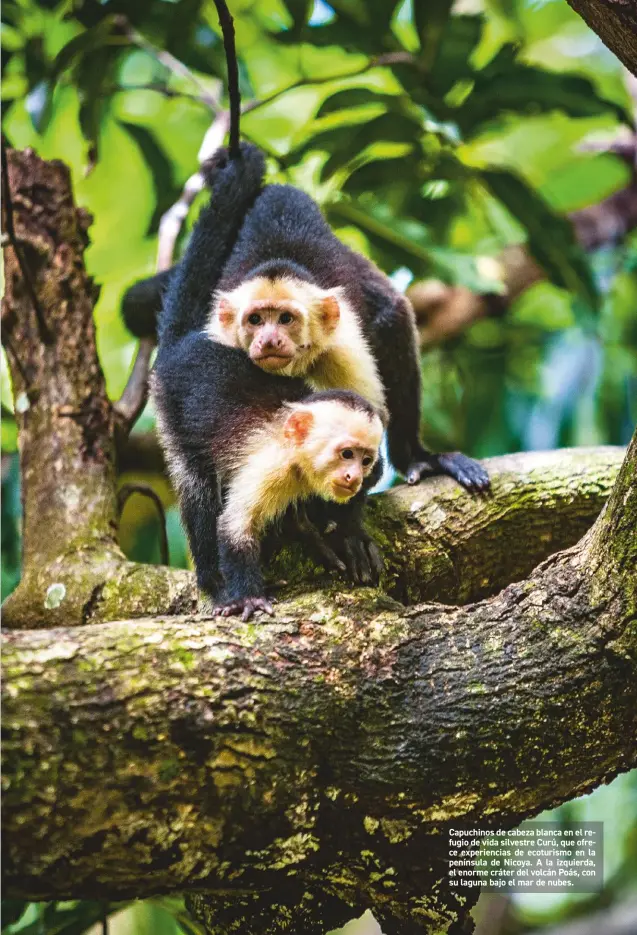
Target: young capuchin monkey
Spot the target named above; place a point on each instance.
(301, 304)
(242, 444)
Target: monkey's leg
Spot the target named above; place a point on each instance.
(345, 536)
(316, 539)
(399, 366)
(243, 588)
(199, 504)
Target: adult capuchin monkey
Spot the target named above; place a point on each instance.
(243, 445)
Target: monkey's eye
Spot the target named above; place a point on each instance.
(367, 460)
(285, 318)
(254, 319)
(347, 453)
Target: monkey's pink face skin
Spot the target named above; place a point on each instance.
(271, 334)
(352, 465)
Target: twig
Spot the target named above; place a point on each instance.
(227, 30)
(390, 58)
(165, 91)
(147, 491)
(45, 334)
(168, 61)
(131, 403)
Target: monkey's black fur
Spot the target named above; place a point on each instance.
(142, 304)
(209, 397)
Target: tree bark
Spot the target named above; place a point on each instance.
(73, 568)
(306, 769)
(615, 22)
(291, 774)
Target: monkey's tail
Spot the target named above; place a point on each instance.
(227, 30)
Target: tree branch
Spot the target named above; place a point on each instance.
(315, 761)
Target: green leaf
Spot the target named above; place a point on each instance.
(354, 97)
(346, 143)
(82, 45)
(507, 85)
(12, 909)
(550, 237)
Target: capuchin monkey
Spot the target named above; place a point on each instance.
(243, 444)
(301, 304)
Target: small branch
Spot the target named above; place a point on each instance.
(169, 61)
(131, 404)
(227, 29)
(145, 490)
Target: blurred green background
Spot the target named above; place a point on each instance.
(441, 139)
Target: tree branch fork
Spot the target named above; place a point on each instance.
(291, 774)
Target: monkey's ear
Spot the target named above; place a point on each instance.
(225, 312)
(297, 426)
(330, 312)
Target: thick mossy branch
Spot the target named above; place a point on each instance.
(314, 762)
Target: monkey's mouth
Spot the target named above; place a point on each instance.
(343, 492)
(272, 361)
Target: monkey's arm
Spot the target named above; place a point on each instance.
(235, 184)
(337, 534)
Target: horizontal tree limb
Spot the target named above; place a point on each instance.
(316, 761)
(440, 543)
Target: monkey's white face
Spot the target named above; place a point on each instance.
(282, 324)
(336, 447)
(273, 334)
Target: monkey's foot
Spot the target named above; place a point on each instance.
(469, 474)
(246, 606)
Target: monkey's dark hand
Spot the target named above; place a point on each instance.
(316, 539)
(246, 606)
(250, 161)
(362, 557)
(469, 474)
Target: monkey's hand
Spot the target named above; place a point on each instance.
(469, 474)
(362, 557)
(242, 171)
(246, 606)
